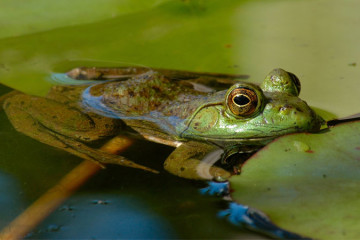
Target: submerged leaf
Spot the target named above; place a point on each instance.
(307, 183)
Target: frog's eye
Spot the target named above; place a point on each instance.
(243, 101)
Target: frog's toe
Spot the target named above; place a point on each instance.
(97, 155)
(216, 188)
(255, 220)
(120, 160)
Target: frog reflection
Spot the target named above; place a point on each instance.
(170, 107)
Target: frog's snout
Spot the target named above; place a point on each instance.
(317, 122)
(293, 114)
(308, 120)
(314, 120)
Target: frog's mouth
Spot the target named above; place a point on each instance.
(253, 136)
(229, 139)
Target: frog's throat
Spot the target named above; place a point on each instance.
(260, 141)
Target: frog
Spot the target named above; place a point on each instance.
(206, 117)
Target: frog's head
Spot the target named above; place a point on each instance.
(250, 112)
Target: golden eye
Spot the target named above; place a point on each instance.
(243, 101)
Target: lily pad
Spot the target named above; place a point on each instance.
(307, 183)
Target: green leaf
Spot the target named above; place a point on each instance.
(307, 183)
(227, 36)
(31, 16)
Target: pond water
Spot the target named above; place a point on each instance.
(316, 40)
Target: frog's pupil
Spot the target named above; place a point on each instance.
(241, 100)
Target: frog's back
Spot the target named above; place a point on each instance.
(149, 93)
(148, 97)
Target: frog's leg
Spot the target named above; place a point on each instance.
(19, 113)
(4, 97)
(96, 155)
(195, 160)
(185, 75)
(106, 73)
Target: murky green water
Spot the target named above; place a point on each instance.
(317, 40)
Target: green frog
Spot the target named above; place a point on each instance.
(182, 109)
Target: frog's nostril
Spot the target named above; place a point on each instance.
(286, 109)
(283, 108)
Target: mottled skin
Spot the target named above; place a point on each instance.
(170, 107)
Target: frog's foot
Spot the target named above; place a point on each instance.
(216, 188)
(255, 220)
(98, 155)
